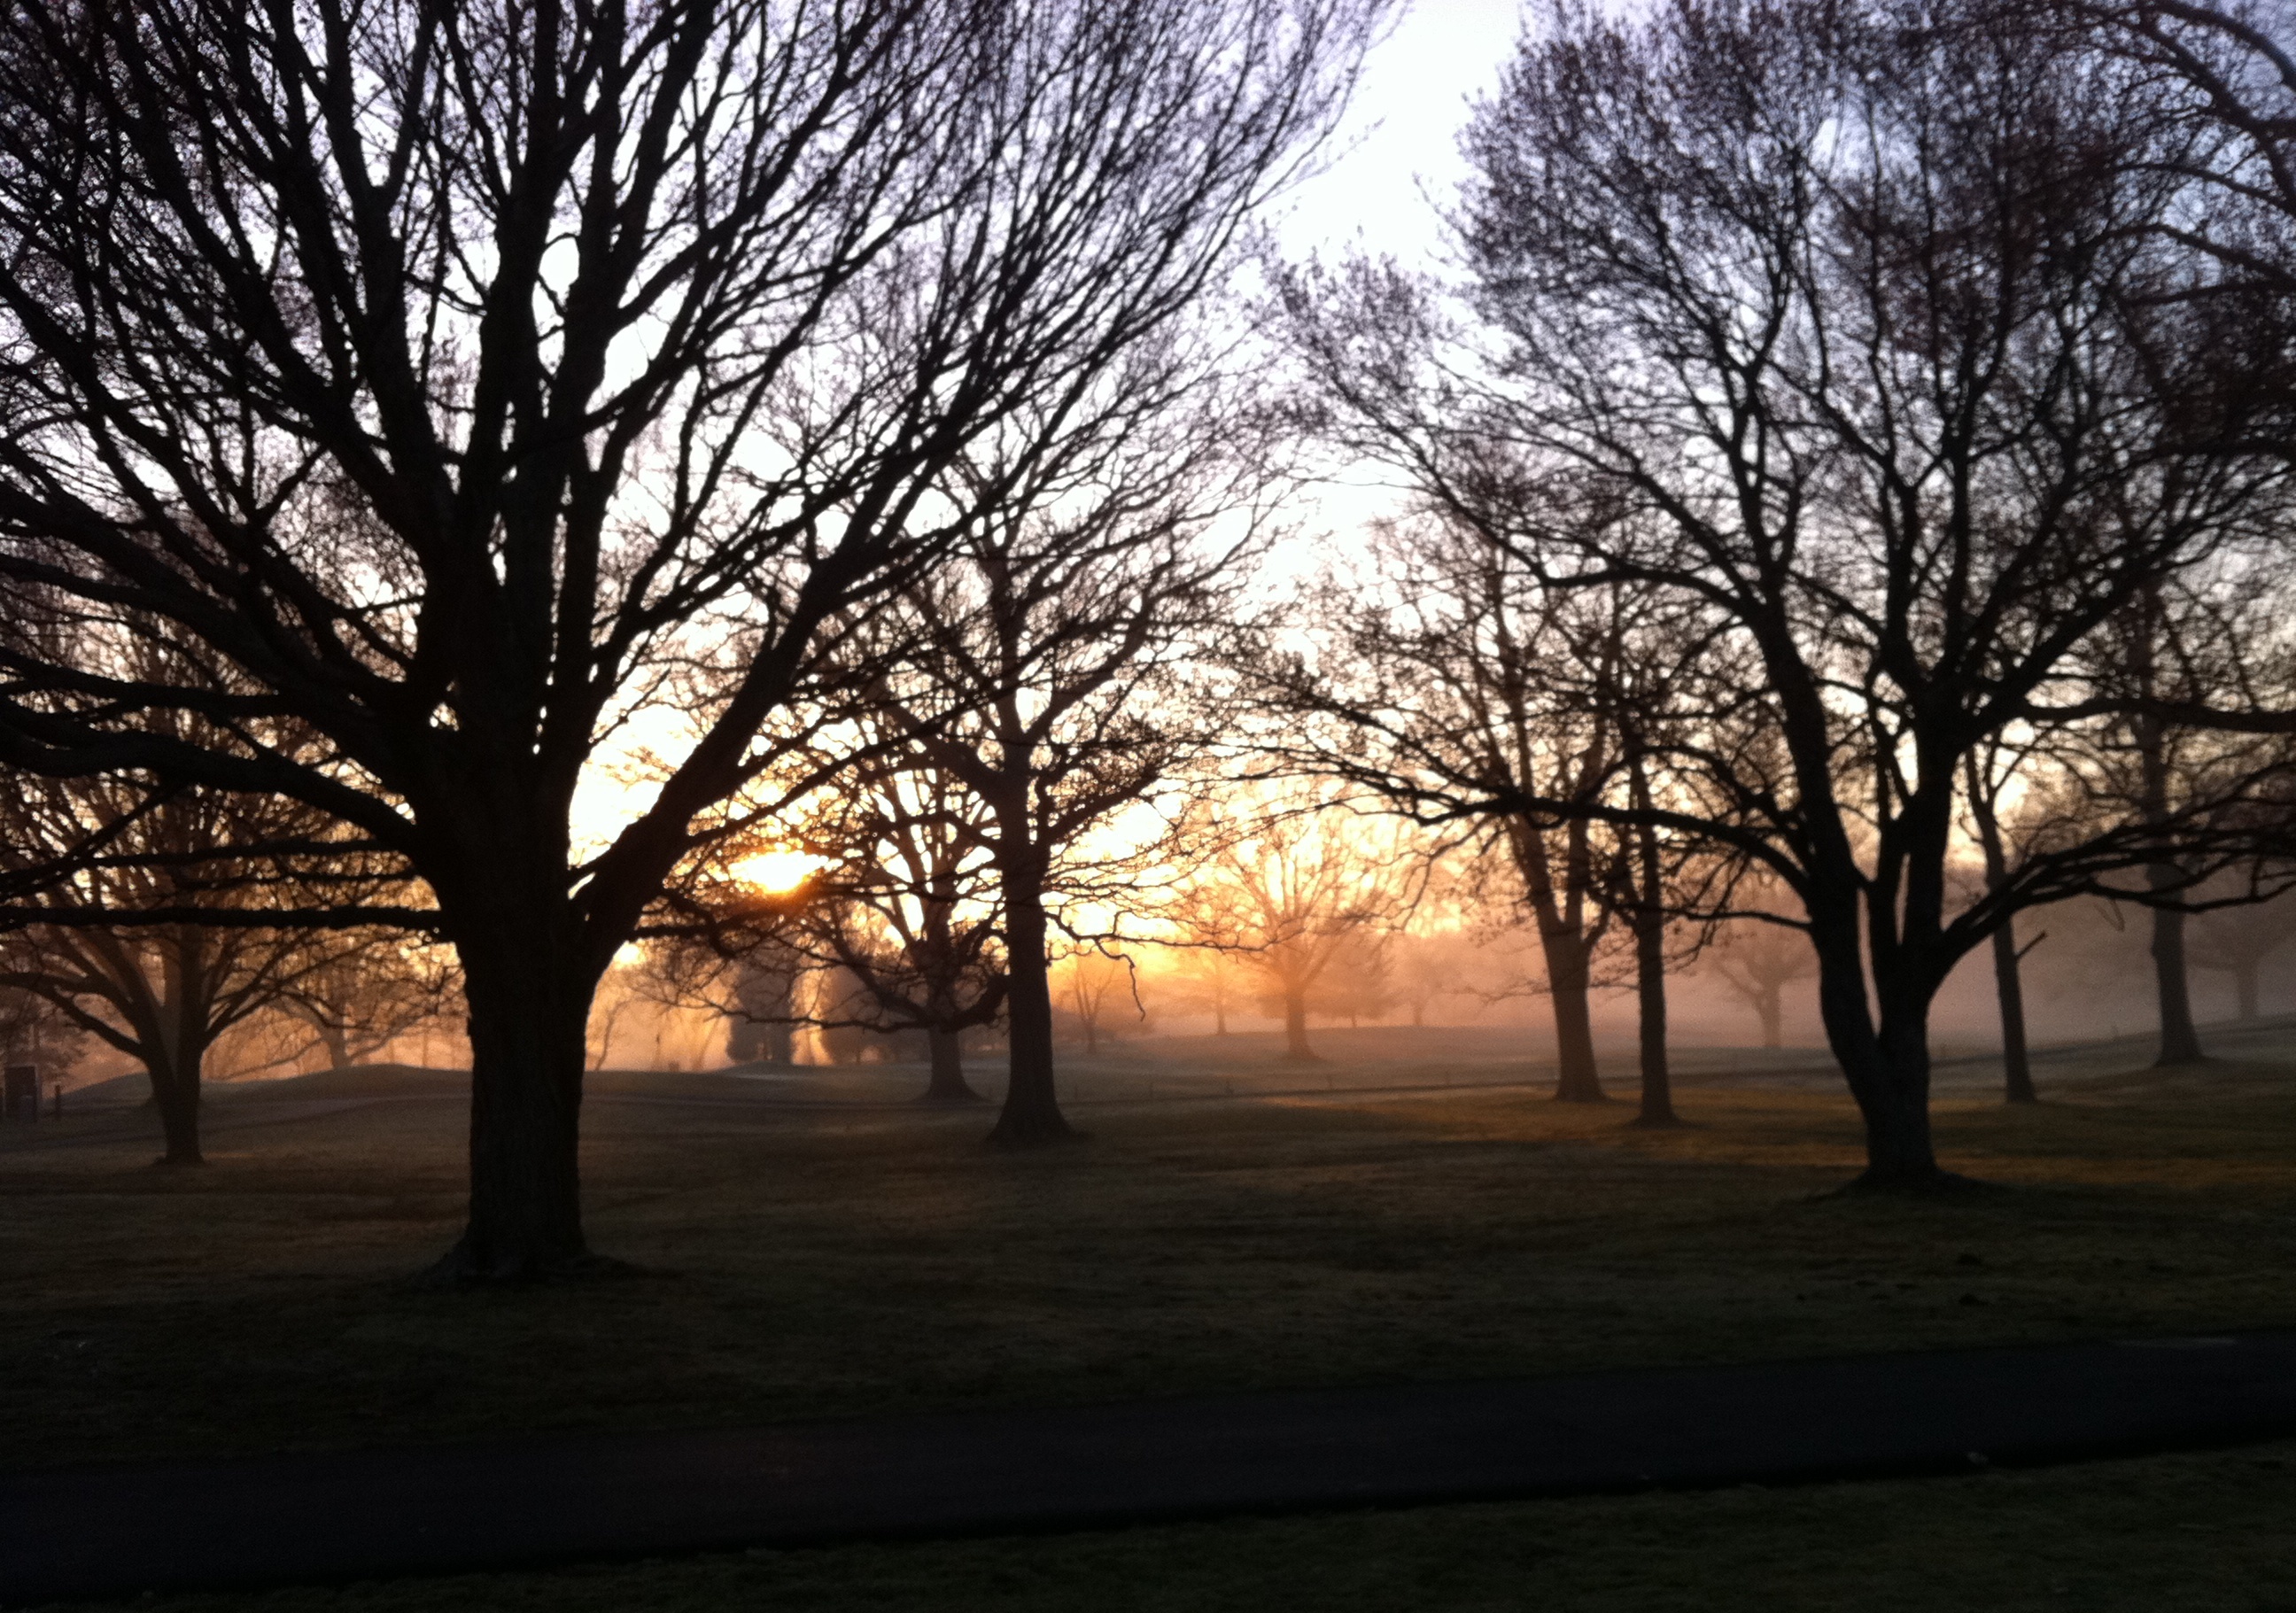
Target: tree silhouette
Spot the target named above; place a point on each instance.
(464, 381)
(1849, 328)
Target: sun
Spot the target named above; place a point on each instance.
(778, 870)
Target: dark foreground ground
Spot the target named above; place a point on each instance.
(817, 1248)
(331, 1517)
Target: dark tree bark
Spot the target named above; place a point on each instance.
(1295, 1029)
(1650, 1002)
(176, 1094)
(453, 279)
(529, 975)
(1032, 1115)
(1649, 920)
(947, 1085)
(178, 1032)
(2172, 983)
(2009, 989)
(2008, 982)
(1577, 1080)
(526, 1189)
(1883, 1057)
(1700, 239)
(2180, 1038)
(1568, 917)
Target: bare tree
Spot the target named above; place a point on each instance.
(1761, 951)
(2226, 71)
(1292, 893)
(368, 995)
(1052, 672)
(1099, 990)
(1200, 977)
(762, 1004)
(33, 1030)
(1837, 323)
(1425, 971)
(2182, 644)
(447, 375)
(157, 946)
(1463, 688)
(2238, 941)
(911, 909)
(1986, 779)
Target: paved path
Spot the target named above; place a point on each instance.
(102, 1531)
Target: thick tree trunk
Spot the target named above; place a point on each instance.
(1295, 1029)
(948, 1084)
(1650, 996)
(1900, 1155)
(1576, 1078)
(1888, 1068)
(2009, 985)
(1650, 964)
(1558, 911)
(529, 1022)
(2180, 1040)
(176, 1053)
(176, 1094)
(1032, 1115)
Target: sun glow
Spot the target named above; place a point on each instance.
(778, 870)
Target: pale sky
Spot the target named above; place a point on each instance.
(1401, 137)
(1395, 162)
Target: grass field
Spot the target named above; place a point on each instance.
(817, 1247)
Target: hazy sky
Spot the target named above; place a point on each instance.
(1399, 149)
(1402, 133)
(1393, 166)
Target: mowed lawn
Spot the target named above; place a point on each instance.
(800, 1262)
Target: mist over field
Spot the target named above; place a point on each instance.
(818, 804)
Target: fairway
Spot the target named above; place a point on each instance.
(819, 1247)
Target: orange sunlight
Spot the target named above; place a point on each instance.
(778, 870)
